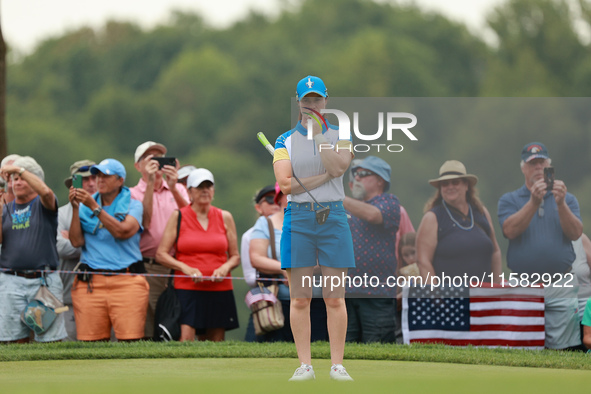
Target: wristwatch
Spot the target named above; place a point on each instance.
(97, 211)
(23, 169)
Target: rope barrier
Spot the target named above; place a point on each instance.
(380, 284)
(4, 270)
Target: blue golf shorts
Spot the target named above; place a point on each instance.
(305, 242)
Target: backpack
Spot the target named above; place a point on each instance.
(167, 316)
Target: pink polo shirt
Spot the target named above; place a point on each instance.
(163, 205)
(405, 226)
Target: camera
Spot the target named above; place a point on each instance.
(549, 178)
(165, 161)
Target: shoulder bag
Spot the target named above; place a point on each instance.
(267, 312)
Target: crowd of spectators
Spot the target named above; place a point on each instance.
(108, 236)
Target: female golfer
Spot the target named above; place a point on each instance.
(309, 238)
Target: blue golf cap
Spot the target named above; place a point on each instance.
(109, 167)
(378, 167)
(534, 150)
(311, 84)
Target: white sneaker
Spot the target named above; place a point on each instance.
(338, 372)
(304, 372)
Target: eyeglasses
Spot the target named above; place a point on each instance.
(83, 169)
(269, 199)
(454, 182)
(362, 173)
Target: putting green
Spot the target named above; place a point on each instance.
(147, 376)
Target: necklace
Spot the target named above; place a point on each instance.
(456, 222)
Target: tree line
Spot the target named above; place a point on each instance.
(205, 92)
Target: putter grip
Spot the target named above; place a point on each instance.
(266, 143)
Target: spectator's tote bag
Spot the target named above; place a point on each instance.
(267, 312)
(40, 313)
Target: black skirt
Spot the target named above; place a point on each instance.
(208, 309)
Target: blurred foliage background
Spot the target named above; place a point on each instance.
(205, 92)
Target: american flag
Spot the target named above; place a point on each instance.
(490, 316)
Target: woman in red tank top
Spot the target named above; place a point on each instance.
(206, 251)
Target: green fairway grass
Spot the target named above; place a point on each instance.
(239, 367)
(320, 350)
(237, 375)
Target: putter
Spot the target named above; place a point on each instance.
(322, 213)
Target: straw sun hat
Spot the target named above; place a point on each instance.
(453, 169)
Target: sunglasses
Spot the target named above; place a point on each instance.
(83, 169)
(454, 182)
(362, 173)
(31, 322)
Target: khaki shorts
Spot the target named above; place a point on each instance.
(119, 301)
(15, 294)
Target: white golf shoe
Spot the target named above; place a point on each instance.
(338, 372)
(304, 372)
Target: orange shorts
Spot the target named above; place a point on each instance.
(120, 301)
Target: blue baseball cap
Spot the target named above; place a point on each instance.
(377, 166)
(311, 84)
(109, 167)
(534, 150)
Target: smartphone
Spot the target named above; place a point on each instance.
(77, 181)
(549, 177)
(3, 185)
(165, 161)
